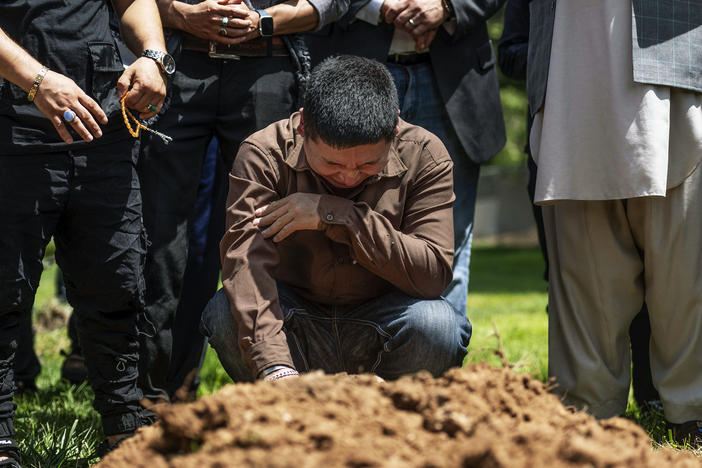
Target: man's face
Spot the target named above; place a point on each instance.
(348, 167)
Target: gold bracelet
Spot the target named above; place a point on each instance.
(37, 82)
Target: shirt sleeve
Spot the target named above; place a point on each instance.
(417, 257)
(370, 12)
(513, 46)
(248, 261)
(329, 10)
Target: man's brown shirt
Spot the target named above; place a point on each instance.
(393, 231)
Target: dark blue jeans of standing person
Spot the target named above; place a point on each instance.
(390, 336)
(88, 199)
(421, 104)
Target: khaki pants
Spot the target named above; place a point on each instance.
(607, 257)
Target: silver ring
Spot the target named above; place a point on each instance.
(69, 115)
(411, 22)
(223, 31)
(225, 21)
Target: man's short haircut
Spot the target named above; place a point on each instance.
(350, 101)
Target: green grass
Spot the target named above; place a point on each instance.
(57, 426)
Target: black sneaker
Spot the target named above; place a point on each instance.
(689, 432)
(9, 448)
(73, 368)
(25, 387)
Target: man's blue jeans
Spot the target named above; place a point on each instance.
(421, 104)
(390, 336)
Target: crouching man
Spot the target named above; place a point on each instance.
(339, 240)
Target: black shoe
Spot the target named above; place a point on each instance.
(73, 368)
(25, 387)
(9, 448)
(689, 433)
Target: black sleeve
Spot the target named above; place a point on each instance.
(513, 45)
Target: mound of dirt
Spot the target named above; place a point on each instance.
(477, 416)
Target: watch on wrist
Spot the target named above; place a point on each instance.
(164, 60)
(265, 23)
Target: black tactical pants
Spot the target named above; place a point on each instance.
(88, 199)
(210, 97)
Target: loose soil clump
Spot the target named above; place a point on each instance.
(479, 416)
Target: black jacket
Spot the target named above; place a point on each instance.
(463, 63)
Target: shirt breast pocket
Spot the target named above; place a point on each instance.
(105, 69)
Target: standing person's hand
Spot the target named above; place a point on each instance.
(296, 212)
(60, 97)
(424, 41)
(223, 21)
(146, 83)
(415, 16)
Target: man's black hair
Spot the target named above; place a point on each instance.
(350, 101)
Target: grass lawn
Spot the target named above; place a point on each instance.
(57, 426)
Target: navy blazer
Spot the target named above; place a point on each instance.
(463, 64)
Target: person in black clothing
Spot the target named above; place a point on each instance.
(512, 59)
(240, 68)
(67, 169)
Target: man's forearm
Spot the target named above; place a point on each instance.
(16, 65)
(140, 25)
(293, 16)
(172, 13)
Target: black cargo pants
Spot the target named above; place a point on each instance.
(228, 99)
(88, 199)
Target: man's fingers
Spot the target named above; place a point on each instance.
(234, 36)
(391, 14)
(123, 83)
(93, 107)
(231, 11)
(61, 129)
(270, 216)
(278, 225)
(87, 120)
(402, 19)
(80, 129)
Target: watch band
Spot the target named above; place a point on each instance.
(37, 82)
(167, 66)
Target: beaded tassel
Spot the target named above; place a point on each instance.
(126, 115)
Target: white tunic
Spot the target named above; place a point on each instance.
(600, 136)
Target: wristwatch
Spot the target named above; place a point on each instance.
(265, 23)
(164, 60)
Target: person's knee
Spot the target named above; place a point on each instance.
(434, 337)
(217, 323)
(219, 327)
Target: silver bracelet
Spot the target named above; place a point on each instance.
(271, 369)
(280, 375)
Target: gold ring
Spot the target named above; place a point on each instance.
(223, 31)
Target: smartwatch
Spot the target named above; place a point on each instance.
(165, 61)
(265, 23)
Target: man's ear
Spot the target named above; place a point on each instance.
(301, 125)
(397, 129)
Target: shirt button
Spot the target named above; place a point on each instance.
(340, 260)
(330, 217)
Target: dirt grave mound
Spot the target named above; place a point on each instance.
(478, 416)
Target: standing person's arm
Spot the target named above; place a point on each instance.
(141, 28)
(514, 43)
(204, 19)
(54, 93)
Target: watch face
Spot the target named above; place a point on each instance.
(266, 26)
(168, 64)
